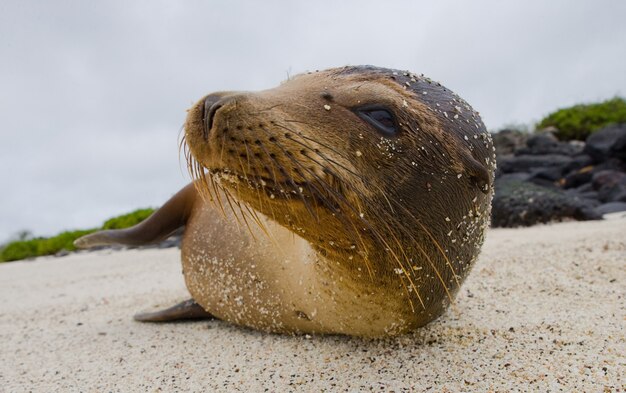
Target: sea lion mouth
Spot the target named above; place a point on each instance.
(274, 189)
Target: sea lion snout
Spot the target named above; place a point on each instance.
(202, 124)
(212, 103)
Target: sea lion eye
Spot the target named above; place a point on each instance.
(380, 118)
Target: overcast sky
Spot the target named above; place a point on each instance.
(93, 93)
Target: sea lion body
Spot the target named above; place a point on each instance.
(278, 284)
(352, 200)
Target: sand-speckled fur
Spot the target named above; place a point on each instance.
(304, 218)
(383, 229)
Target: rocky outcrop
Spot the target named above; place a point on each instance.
(550, 180)
(610, 142)
(521, 203)
(508, 141)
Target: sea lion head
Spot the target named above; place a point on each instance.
(385, 172)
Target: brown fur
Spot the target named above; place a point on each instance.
(305, 217)
(401, 217)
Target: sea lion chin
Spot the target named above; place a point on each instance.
(352, 200)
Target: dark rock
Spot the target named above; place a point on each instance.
(589, 198)
(611, 185)
(542, 140)
(62, 253)
(519, 176)
(579, 161)
(508, 141)
(526, 163)
(539, 144)
(609, 142)
(519, 203)
(577, 178)
(547, 143)
(607, 178)
(613, 164)
(617, 194)
(549, 180)
(618, 150)
(587, 187)
(583, 175)
(611, 207)
(551, 174)
(542, 182)
(592, 196)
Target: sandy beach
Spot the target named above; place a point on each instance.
(543, 310)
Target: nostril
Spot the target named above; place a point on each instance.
(211, 114)
(211, 105)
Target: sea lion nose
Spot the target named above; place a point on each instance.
(211, 105)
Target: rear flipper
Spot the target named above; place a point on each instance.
(186, 310)
(159, 226)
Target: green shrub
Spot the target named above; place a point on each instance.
(62, 241)
(23, 249)
(30, 248)
(579, 121)
(17, 250)
(127, 220)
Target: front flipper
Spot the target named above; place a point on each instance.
(186, 310)
(159, 226)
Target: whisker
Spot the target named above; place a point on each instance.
(339, 214)
(316, 151)
(272, 165)
(344, 199)
(256, 219)
(338, 153)
(247, 153)
(441, 251)
(243, 216)
(333, 162)
(376, 233)
(395, 256)
(228, 197)
(222, 148)
(443, 254)
(397, 223)
(320, 194)
(329, 190)
(406, 257)
(217, 196)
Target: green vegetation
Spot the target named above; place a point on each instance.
(579, 121)
(22, 249)
(29, 248)
(127, 220)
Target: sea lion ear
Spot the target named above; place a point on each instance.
(477, 172)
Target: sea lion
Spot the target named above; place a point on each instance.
(352, 201)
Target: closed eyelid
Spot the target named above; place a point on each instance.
(381, 118)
